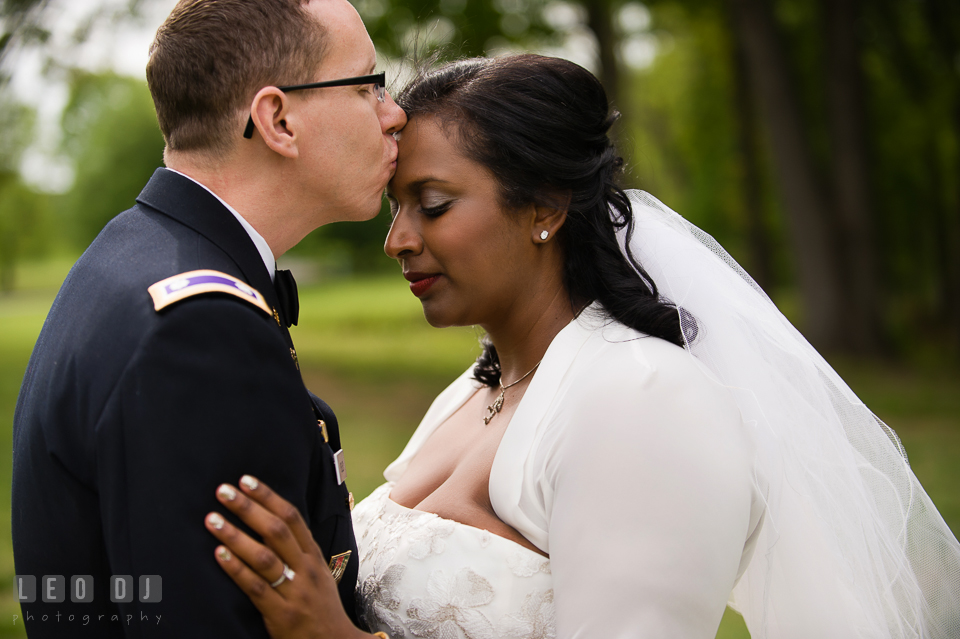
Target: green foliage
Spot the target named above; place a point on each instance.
(683, 130)
(684, 122)
(111, 132)
(25, 228)
(24, 215)
(16, 132)
(19, 24)
(374, 327)
(913, 73)
(469, 27)
(349, 247)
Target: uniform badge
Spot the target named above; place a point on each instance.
(173, 289)
(339, 467)
(338, 565)
(293, 355)
(323, 430)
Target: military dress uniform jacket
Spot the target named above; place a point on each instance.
(129, 418)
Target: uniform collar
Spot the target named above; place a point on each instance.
(266, 253)
(194, 206)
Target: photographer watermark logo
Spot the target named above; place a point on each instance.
(53, 588)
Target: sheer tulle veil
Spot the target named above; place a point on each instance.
(850, 540)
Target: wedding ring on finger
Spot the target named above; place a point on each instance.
(286, 575)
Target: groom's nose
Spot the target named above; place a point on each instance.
(392, 117)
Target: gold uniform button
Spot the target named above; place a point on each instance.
(323, 430)
(350, 500)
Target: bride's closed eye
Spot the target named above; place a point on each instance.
(439, 209)
(434, 203)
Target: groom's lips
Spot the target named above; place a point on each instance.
(420, 283)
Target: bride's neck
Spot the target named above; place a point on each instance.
(522, 339)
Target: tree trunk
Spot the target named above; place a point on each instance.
(600, 21)
(940, 15)
(851, 188)
(952, 237)
(805, 204)
(746, 124)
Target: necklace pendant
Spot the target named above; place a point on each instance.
(493, 409)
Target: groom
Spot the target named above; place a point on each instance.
(165, 366)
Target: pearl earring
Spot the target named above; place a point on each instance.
(544, 235)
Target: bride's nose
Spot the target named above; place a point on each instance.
(404, 238)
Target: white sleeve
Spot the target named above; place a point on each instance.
(651, 503)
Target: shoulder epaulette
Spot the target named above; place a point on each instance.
(173, 289)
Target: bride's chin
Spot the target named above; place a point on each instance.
(441, 318)
(435, 320)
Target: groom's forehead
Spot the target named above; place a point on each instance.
(347, 47)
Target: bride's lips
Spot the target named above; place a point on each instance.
(420, 283)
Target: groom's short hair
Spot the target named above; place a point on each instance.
(210, 57)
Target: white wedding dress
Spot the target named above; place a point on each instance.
(425, 576)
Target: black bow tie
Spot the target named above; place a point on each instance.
(289, 303)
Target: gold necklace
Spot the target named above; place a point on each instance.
(495, 407)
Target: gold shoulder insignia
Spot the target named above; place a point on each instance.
(173, 289)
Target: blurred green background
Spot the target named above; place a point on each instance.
(817, 140)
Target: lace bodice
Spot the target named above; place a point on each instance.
(425, 576)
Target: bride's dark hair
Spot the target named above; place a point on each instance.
(540, 126)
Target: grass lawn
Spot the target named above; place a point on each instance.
(364, 347)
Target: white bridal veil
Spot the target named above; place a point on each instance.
(851, 545)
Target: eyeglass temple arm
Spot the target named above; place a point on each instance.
(379, 78)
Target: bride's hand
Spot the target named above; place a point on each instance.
(304, 605)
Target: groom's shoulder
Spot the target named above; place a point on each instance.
(130, 281)
(135, 250)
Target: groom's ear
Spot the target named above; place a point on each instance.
(550, 215)
(270, 111)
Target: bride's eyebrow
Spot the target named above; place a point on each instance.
(418, 185)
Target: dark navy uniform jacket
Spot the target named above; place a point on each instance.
(129, 419)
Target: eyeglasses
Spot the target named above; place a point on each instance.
(378, 80)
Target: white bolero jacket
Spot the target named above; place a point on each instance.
(632, 468)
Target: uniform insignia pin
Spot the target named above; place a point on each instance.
(323, 430)
(296, 362)
(338, 565)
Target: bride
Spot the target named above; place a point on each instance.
(644, 439)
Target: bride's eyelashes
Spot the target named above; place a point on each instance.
(430, 208)
(439, 209)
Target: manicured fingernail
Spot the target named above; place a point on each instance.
(249, 482)
(224, 554)
(215, 520)
(227, 492)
